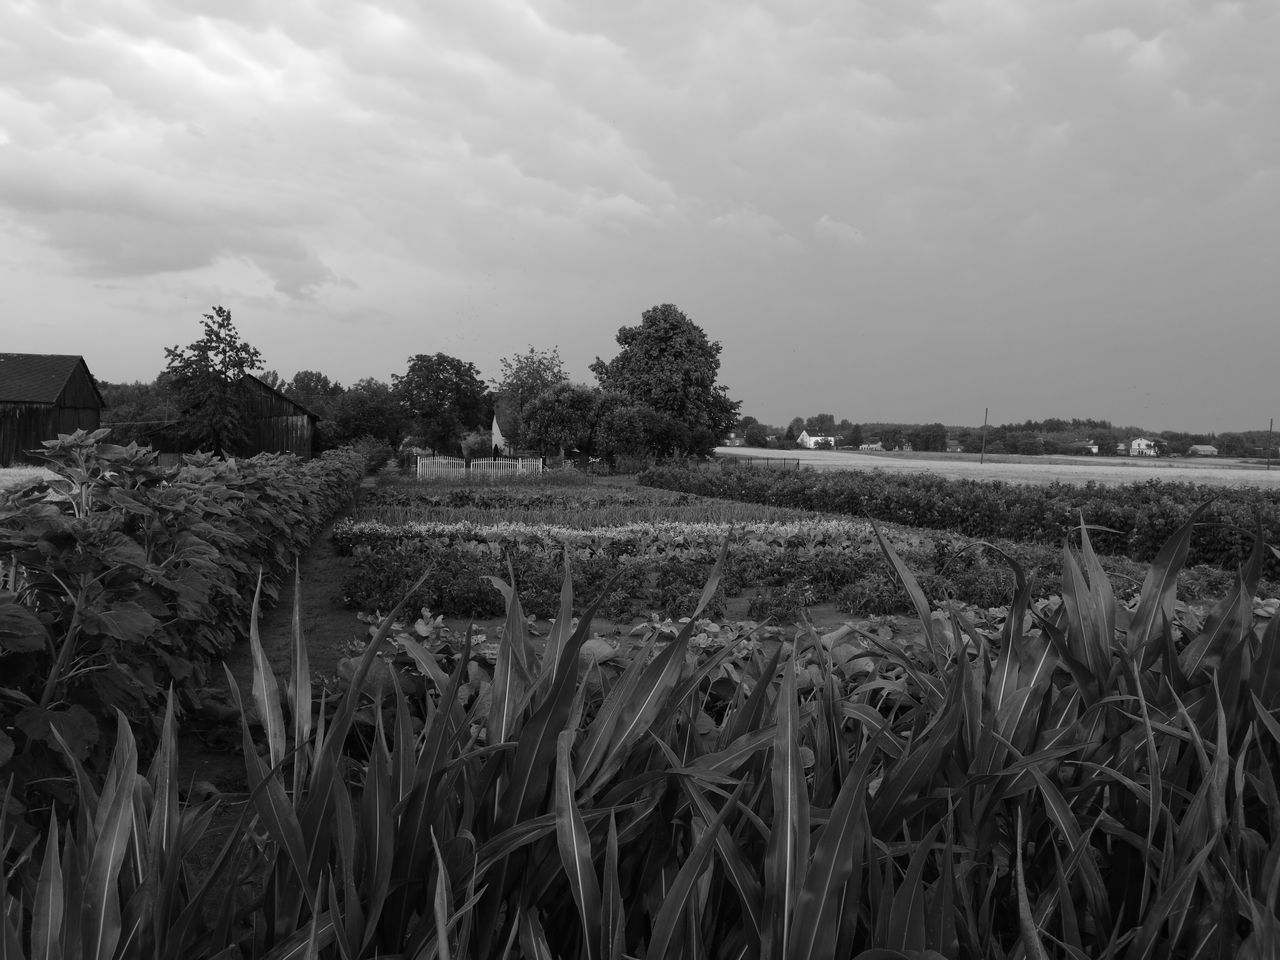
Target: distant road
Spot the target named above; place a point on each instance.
(1115, 470)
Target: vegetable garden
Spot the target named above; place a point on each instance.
(1086, 774)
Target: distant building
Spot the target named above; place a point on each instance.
(873, 445)
(278, 424)
(1202, 450)
(41, 396)
(1142, 447)
(813, 440)
(1082, 448)
(734, 440)
(500, 444)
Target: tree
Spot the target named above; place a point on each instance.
(667, 363)
(368, 408)
(756, 436)
(524, 376)
(445, 396)
(821, 425)
(561, 417)
(204, 380)
(313, 390)
(853, 436)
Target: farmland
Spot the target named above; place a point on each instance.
(1018, 469)
(1076, 764)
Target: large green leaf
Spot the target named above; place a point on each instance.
(574, 842)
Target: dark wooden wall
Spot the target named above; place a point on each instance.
(24, 426)
(279, 425)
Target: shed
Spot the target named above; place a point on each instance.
(1202, 450)
(41, 396)
(280, 425)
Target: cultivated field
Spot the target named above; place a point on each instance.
(966, 466)
(17, 476)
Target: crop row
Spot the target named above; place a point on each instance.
(578, 506)
(780, 567)
(1086, 780)
(119, 578)
(1131, 520)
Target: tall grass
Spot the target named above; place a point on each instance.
(1094, 784)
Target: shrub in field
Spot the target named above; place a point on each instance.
(1076, 780)
(119, 578)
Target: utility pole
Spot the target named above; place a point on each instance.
(1270, 427)
(982, 457)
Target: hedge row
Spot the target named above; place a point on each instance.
(120, 577)
(1142, 515)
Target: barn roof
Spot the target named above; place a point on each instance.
(39, 377)
(249, 381)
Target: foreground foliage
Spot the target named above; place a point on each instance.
(1091, 780)
(120, 578)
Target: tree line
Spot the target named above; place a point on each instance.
(659, 395)
(1028, 438)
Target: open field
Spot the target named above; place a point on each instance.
(17, 476)
(966, 466)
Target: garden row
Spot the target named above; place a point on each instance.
(1090, 780)
(1133, 520)
(551, 498)
(649, 568)
(119, 578)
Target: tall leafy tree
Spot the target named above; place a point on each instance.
(445, 396)
(821, 425)
(667, 363)
(368, 408)
(313, 390)
(561, 417)
(524, 376)
(204, 380)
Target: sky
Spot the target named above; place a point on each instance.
(888, 210)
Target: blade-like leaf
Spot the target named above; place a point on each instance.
(813, 936)
(575, 847)
(47, 913)
(100, 906)
(266, 689)
(787, 854)
(666, 925)
(1159, 589)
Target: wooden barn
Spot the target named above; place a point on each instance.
(41, 396)
(280, 425)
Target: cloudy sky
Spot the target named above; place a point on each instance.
(884, 209)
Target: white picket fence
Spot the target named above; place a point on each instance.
(488, 467)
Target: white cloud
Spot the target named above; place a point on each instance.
(548, 169)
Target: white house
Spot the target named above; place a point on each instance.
(499, 441)
(813, 440)
(1142, 447)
